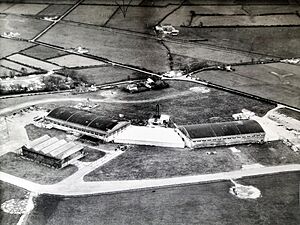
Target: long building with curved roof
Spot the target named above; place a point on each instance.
(85, 122)
(226, 133)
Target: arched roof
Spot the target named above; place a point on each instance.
(82, 117)
(221, 129)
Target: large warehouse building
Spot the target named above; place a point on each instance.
(223, 134)
(85, 123)
(52, 152)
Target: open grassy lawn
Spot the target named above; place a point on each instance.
(127, 49)
(42, 52)
(270, 153)
(144, 162)
(265, 81)
(210, 204)
(92, 155)
(27, 27)
(34, 132)
(26, 9)
(7, 192)
(13, 164)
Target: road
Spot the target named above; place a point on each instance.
(88, 188)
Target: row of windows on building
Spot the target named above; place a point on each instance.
(229, 138)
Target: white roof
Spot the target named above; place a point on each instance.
(38, 141)
(45, 144)
(53, 146)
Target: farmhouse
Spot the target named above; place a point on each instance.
(223, 134)
(85, 123)
(52, 152)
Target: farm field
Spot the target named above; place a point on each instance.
(146, 162)
(7, 192)
(261, 80)
(27, 27)
(182, 16)
(55, 10)
(26, 9)
(15, 66)
(265, 9)
(4, 72)
(108, 74)
(105, 2)
(205, 53)
(12, 46)
(141, 19)
(13, 164)
(91, 14)
(33, 62)
(135, 51)
(272, 20)
(4, 6)
(253, 39)
(75, 61)
(209, 203)
(42, 52)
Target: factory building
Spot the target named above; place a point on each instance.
(85, 123)
(52, 151)
(222, 134)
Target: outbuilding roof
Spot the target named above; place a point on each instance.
(221, 129)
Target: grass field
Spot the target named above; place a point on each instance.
(33, 62)
(15, 66)
(108, 74)
(141, 19)
(271, 20)
(289, 113)
(91, 14)
(182, 16)
(42, 52)
(13, 164)
(26, 9)
(8, 192)
(127, 49)
(27, 27)
(185, 107)
(271, 153)
(5, 71)
(204, 53)
(92, 155)
(34, 132)
(263, 9)
(55, 10)
(12, 46)
(253, 39)
(266, 81)
(105, 2)
(145, 162)
(192, 204)
(75, 61)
